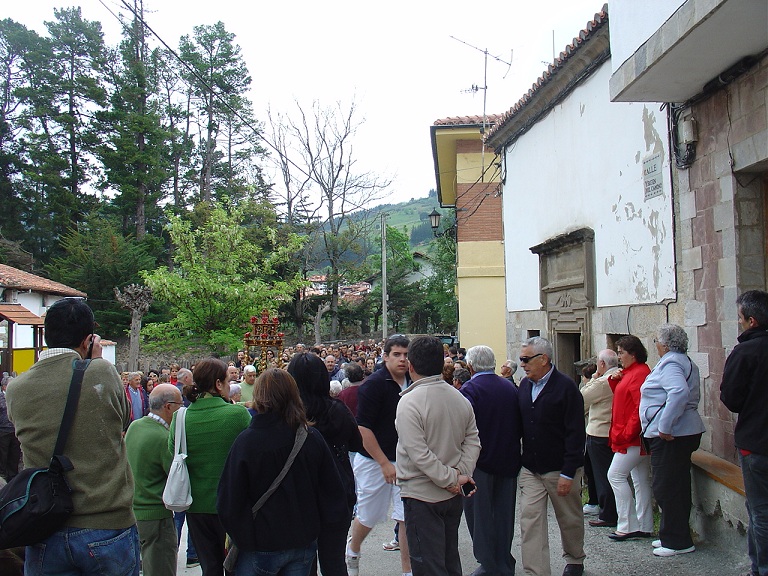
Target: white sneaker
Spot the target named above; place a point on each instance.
(656, 543)
(353, 564)
(661, 551)
(591, 509)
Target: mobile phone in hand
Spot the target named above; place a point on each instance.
(466, 489)
(90, 348)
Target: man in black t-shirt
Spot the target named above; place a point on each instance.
(374, 467)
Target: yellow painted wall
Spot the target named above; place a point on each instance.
(482, 315)
(23, 358)
(469, 167)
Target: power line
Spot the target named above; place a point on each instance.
(202, 81)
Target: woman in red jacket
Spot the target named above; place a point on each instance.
(635, 514)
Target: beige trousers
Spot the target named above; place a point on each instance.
(535, 491)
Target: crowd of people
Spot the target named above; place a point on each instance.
(289, 473)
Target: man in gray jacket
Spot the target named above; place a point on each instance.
(438, 446)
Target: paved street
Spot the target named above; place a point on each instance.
(604, 556)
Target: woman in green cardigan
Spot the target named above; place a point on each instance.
(212, 424)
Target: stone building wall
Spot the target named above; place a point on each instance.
(721, 234)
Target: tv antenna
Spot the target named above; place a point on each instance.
(475, 88)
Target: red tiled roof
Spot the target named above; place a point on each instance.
(467, 120)
(20, 280)
(600, 19)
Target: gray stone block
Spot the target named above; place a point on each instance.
(726, 187)
(726, 272)
(687, 205)
(729, 330)
(695, 313)
(702, 361)
(728, 238)
(691, 259)
(723, 215)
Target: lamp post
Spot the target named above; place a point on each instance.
(434, 222)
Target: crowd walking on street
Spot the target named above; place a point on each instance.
(286, 478)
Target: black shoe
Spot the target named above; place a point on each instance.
(602, 524)
(628, 536)
(573, 570)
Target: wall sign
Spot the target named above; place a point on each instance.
(652, 180)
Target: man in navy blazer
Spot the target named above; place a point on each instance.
(552, 415)
(490, 513)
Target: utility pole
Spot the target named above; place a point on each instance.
(384, 296)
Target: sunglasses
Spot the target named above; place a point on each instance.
(526, 359)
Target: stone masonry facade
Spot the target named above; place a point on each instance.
(722, 234)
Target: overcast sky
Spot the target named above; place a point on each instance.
(396, 59)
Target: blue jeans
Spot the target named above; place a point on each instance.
(85, 552)
(754, 467)
(294, 562)
(178, 519)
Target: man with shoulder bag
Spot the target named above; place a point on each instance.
(100, 535)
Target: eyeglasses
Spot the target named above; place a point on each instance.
(526, 359)
(174, 402)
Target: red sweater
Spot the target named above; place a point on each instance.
(625, 415)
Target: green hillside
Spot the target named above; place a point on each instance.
(413, 214)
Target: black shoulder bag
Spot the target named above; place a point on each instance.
(37, 502)
(232, 551)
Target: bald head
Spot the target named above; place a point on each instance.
(164, 400)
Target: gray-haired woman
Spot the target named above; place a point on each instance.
(669, 400)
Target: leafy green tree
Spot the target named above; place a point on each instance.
(219, 83)
(439, 310)
(15, 42)
(219, 280)
(97, 258)
(134, 150)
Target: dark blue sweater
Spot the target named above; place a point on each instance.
(494, 400)
(553, 426)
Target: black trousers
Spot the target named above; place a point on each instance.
(331, 550)
(10, 454)
(601, 456)
(209, 538)
(490, 516)
(433, 536)
(671, 465)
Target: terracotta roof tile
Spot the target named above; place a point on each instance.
(467, 120)
(593, 26)
(20, 280)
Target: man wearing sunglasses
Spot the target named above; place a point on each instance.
(552, 415)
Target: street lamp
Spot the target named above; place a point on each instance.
(434, 222)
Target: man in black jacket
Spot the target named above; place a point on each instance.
(744, 390)
(552, 416)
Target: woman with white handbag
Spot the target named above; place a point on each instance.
(212, 424)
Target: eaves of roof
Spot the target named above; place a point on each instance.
(19, 280)
(582, 57)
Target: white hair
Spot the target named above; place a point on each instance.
(481, 358)
(335, 388)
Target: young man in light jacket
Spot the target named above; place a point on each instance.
(438, 446)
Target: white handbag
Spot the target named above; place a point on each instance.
(177, 495)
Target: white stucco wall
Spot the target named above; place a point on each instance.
(23, 336)
(582, 166)
(633, 22)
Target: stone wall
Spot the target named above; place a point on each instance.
(721, 234)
